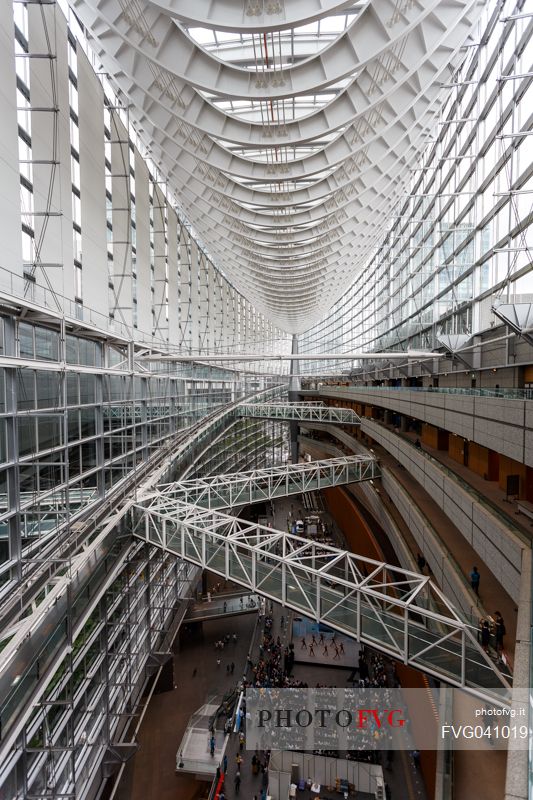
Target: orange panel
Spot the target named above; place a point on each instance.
(509, 466)
(456, 448)
(478, 459)
(430, 435)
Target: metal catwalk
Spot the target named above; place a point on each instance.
(255, 486)
(299, 412)
(401, 613)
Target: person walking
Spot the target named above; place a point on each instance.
(485, 635)
(237, 781)
(225, 764)
(500, 631)
(474, 580)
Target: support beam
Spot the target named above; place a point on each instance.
(398, 612)
(256, 486)
(300, 412)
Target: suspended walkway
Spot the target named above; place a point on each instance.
(299, 412)
(400, 613)
(243, 488)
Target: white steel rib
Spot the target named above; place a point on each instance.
(288, 129)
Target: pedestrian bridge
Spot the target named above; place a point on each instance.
(299, 412)
(255, 486)
(398, 612)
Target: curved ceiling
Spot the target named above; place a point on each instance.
(287, 128)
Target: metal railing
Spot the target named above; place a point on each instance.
(299, 412)
(509, 394)
(386, 607)
(242, 488)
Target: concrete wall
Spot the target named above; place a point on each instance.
(446, 571)
(496, 543)
(503, 425)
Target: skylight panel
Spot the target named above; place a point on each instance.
(227, 36)
(312, 27)
(332, 25)
(202, 35)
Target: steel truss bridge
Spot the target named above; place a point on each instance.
(242, 488)
(299, 412)
(400, 613)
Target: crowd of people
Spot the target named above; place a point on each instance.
(273, 668)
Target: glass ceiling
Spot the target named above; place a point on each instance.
(281, 47)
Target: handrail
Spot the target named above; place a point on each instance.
(385, 606)
(509, 393)
(479, 498)
(351, 441)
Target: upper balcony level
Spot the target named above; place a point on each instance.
(499, 419)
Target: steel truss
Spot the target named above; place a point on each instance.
(398, 612)
(240, 488)
(299, 412)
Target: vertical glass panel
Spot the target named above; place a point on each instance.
(26, 340)
(87, 352)
(88, 425)
(25, 389)
(72, 350)
(27, 435)
(3, 444)
(72, 389)
(46, 344)
(87, 388)
(49, 432)
(73, 425)
(2, 391)
(48, 389)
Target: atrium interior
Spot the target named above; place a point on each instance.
(266, 391)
